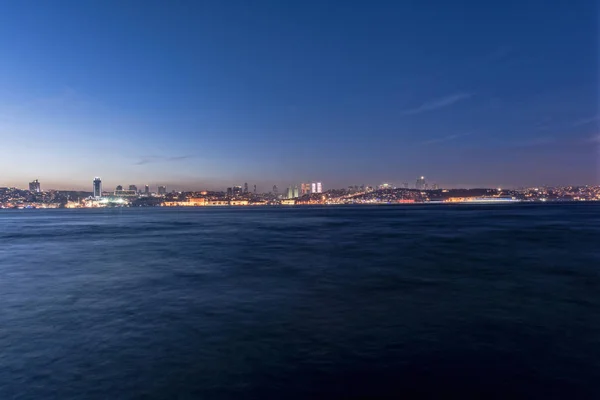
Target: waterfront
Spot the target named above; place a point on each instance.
(491, 300)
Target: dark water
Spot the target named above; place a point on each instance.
(359, 302)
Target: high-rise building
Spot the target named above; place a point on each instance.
(246, 187)
(133, 187)
(162, 190)
(313, 187)
(35, 186)
(237, 190)
(229, 192)
(97, 187)
(275, 191)
(290, 192)
(319, 187)
(119, 187)
(147, 190)
(254, 189)
(304, 188)
(421, 184)
(296, 192)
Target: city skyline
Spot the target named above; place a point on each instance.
(300, 188)
(212, 95)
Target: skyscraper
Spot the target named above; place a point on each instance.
(420, 184)
(147, 190)
(97, 187)
(237, 190)
(133, 187)
(246, 187)
(119, 187)
(254, 189)
(162, 190)
(229, 192)
(275, 191)
(35, 186)
(296, 192)
(290, 192)
(313, 187)
(304, 188)
(319, 187)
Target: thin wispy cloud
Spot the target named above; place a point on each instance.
(438, 103)
(532, 142)
(585, 121)
(595, 138)
(443, 139)
(161, 159)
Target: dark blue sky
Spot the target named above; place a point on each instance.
(198, 94)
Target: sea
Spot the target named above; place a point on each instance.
(340, 302)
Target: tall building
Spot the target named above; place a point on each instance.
(133, 187)
(296, 192)
(304, 188)
(275, 191)
(246, 187)
(97, 187)
(119, 187)
(435, 186)
(319, 187)
(229, 192)
(162, 190)
(254, 189)
(313, 187)
(237, 190)
(35, 186)
(147, 190)
(421, 184)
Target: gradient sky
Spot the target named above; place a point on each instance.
(206, 94)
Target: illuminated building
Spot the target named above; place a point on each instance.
(384, 186)
(290, 192)
(295, 194)
(162, 190)
(435, 186)
(125, 193)
(217, 203)
(421, 184)
(288, 202)
(237, 190)
(229, 192)
(133, 187)
(319, 187)
(119, 187)
(304, 188)
(35, 186)
(313, 187)
(97, 187)
(147, 190)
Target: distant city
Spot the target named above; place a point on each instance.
(296, 194)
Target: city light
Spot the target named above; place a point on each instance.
(295, 194)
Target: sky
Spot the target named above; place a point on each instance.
(208, 94)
